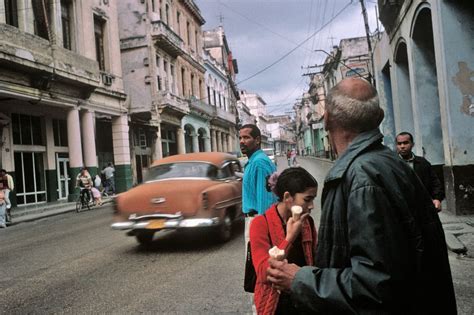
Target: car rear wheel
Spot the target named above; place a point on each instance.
(225, 229)
(145, 238)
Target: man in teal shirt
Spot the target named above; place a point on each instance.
(255, 197)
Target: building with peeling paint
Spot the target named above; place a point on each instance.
(424, 69)
(174, 106)
(62, 102)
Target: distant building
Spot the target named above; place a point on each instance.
(282, 132)
(62, 99)
(222, 94)
(161, 46)
(258, 108)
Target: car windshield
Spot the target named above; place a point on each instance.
(183, 169)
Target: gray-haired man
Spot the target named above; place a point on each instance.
(381, 246)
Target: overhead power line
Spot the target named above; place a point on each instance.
(295, 48)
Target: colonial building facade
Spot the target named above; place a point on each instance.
(161, 45)
(222, 94)
(174, 106)
(60, 86)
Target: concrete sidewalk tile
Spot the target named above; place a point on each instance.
(454, 244)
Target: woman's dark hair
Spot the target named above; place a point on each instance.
(294, 180)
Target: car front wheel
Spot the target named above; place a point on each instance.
(225, 228)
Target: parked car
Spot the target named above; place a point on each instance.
(270, 152)
(183, 192)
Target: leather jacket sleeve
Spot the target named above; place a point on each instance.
(377, 262)
(436, 187)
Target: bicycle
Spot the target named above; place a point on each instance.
(84, 200)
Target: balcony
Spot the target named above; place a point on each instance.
(172, 103)
(33, 55)
(226, 116)
(166, 39)
(202, 108)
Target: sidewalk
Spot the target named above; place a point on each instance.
(39, 211)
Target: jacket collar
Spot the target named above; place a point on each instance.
(359, 144)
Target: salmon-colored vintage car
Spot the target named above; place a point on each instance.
(181, 192)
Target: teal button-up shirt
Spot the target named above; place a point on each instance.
(254, 193)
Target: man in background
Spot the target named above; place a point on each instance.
(109, 184)
(6, 186)
(421, 167)
(255, 197)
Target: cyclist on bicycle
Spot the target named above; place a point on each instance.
(84, 182)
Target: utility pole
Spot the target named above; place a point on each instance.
(369, 44)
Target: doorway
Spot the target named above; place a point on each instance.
(62, 167)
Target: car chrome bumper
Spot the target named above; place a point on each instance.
(169, 222)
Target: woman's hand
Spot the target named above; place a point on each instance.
(293, 228)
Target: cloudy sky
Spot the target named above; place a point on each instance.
(282, 35)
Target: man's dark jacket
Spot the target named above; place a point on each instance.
(428, 177)
(381, 246)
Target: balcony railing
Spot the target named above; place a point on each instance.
(202, 107)
(210, 110)
(167, 99)
(225, 115)
(31, 53)
(167, 39)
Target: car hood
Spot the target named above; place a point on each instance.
(165, 196)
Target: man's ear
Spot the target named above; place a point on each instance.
(326, 120)
(258, 139)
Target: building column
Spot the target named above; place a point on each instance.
(75, 150)
(207, 144)
(213, 140)
(230, 143)
(219, 141)
(51, 170)
(158, 151)
(180, 140)
(121, 144)
(88, 142)
(195, 140)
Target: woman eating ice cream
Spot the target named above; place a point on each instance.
(290, 235)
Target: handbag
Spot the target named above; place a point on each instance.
(250, 277)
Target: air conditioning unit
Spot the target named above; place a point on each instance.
(107, 79)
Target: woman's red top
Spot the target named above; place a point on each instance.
(261, 228)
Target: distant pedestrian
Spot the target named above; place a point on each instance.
(6, 186)
(288, 157)
(85, 183)
(3, 209)
(109, 184)
(97, 182)
(97, 196)
(293, 161)
(422, 168)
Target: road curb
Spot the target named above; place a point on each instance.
(454, 244)
(70, 207)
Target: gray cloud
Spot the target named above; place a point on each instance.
(261, 31)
